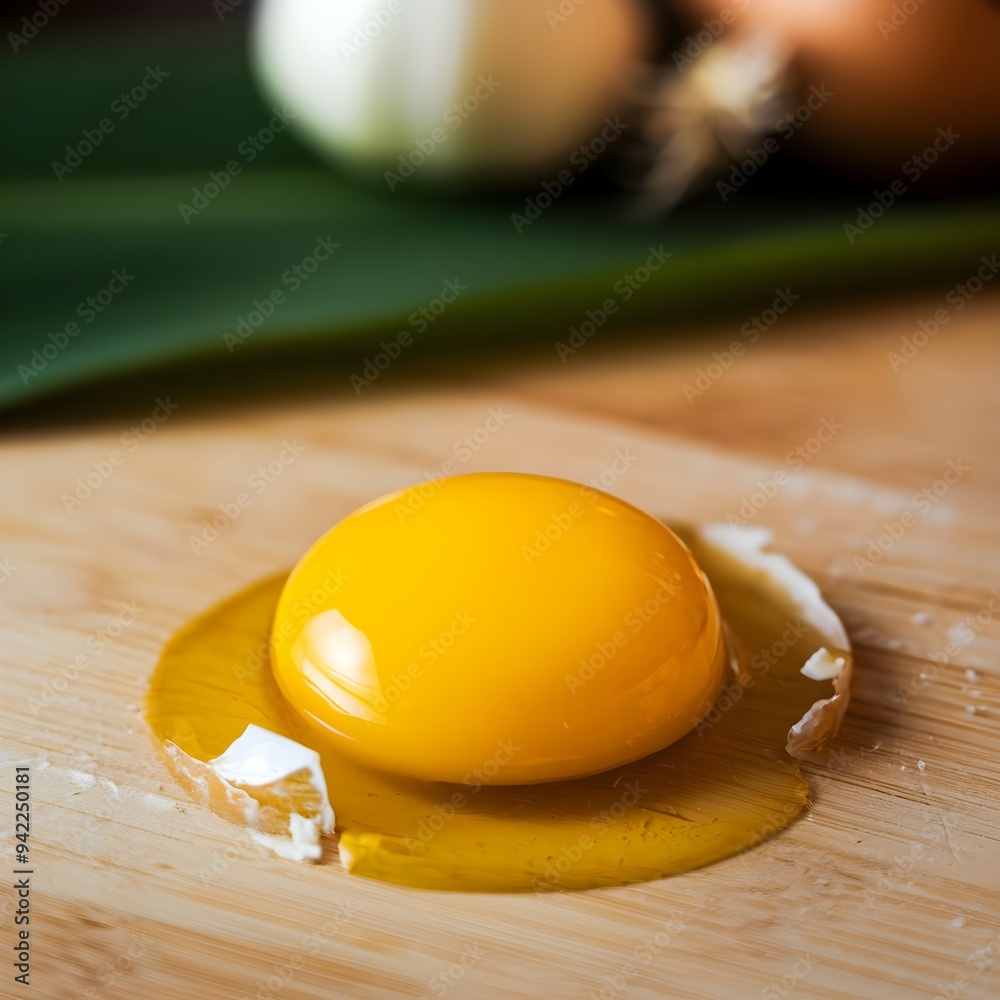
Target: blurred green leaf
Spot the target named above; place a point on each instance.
(195, 277)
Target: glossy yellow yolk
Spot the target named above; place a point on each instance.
(499, 627)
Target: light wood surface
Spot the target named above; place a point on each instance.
(889, 887)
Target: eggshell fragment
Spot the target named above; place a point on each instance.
(832, 662)
(269, 783)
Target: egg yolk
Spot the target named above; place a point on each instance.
(498, 627)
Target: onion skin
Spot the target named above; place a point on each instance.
(558, 79)
(894, 84)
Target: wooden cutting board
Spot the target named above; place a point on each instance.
(890, 885)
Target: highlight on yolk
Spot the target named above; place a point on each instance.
(485, 611)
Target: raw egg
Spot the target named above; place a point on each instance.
(502, 682)
(435, 624)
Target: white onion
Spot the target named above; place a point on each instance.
(498, 90)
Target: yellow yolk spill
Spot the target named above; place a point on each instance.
(727, 785)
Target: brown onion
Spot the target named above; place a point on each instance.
(898, 70)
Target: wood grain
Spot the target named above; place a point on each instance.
(890, 887)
